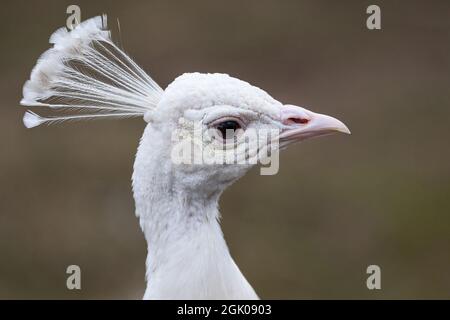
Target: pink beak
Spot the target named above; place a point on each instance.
(301, 124)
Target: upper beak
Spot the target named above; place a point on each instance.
(300, 124)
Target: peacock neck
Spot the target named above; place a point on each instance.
(187, 254)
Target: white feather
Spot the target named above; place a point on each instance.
(31, 119)
(85, 70)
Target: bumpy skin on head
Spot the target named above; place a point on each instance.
(199, 90)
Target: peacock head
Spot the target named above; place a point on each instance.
(216, 127)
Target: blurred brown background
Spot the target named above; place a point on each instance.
(380, 196)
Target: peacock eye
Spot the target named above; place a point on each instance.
(228, 128)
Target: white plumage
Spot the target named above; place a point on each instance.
(85, 70)
(177, 204)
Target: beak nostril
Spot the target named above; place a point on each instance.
(293, 115)
(297, 120)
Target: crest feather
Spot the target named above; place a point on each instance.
(87, 72)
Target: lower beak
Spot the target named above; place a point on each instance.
(300, 124)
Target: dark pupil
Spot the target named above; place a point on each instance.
(228, 127)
